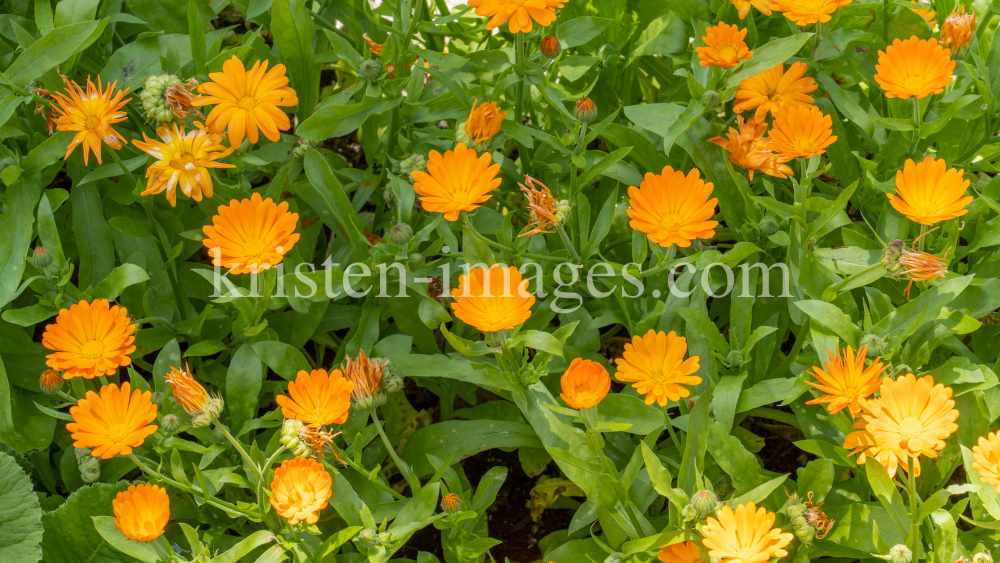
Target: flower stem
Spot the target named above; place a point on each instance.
(239, 448)
(309, 552)
(519, 63)
(118, 159)
(670, 429)
(161, 551)
(917, 120)
(595, 441)
(914, 536)
(663, 265)
(403, 468)
(190, 490)
(568, 244)
(497, 245)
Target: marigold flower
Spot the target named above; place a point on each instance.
(113, 422)
(774, 89)
(987, 459)
(724, 46)
(89, 339)
(846, 380)
(142, 512)
(50, 382)
(366, 375)
(914, 67)
(862, 442)
(251, 235)
(300, 489)
(762, 6)
(805, 12)
(744, 536)
(656, 367)
(683, 552)
(546, 212)
(451, 503)
(957, 30)
(247, 101)
(930, 192)
(585, 384)
(182, 159)
(749, 149)
(585, 110)
(672, 208)
(317, 398)
(458, 181)
(484, 122)
(801, 131)
(550, 47)
(91, 114)
(517, 14)
(492, 301)
(912, 416)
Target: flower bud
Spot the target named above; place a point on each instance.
(400, 234)
(585, 110)
(157, 398)
(768, 225)
(392, 382)
(982, 557)
(89, 466)
(891, 255)
(899, 553)
(370, 69)
(688, 513)
(415, 261)
(291, 431)
(50, 382)
(153, 97)
(550, 47)
(705, 503)
(213, 409)
(384, 538)
(734, 358)
(876, 345)
(170, 423)
(301, 146)
(42, 258)
(413, 163)
(710, 99)
(562, 211)
(451, 503)
(795, 510)
(367, 538)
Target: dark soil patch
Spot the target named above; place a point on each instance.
(780, 454)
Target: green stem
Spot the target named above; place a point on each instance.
(161, 551)
(497, 245)
(190, 490)
(175, 279)
(353, 465)
(309, 552)
(403, 468)
(580, 143)
(914, 536)
(819, 30)
(128, 174)
(519, 63)
(239, 448)
(663, 265)
(917, 120)
(920, 244)
(595, 441)
(885, 21)
(670, 429)
(568, 244)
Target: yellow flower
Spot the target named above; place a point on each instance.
(744, 536)
(672, 208)
(655, 364)
(89, 340)
(492, 301)
(862, 442)
(774, 89)
(300, 489)
(912, 416)
(247, 101)
(847, 381)
(585, 384)
(685, 552)
(91, 114)
(518, 14)
(724, 46)
(182, 160)
(141, 512)
(113, 422)
(801, 131)
(957, 30)
(987, 459)
(762, 6)
(805, 12)
(749, 149)
(914, 67)
(251, 235)
(930, 192)
(458, 181)
(484, 121)
(317, 398)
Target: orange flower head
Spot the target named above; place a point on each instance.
(724, 46)
(317, 398)
(762, 6)
(585, 110)
(316, 439)
(928, 15)
(458, 181)
(987, 459)
(957, 31)
(366, 374)
(517, 14)
(805, 12)
(914, 67)
(376, 48)
(451, 503)
(251, 235)
(672, 208)
(749, 149)
(546, 212)
(300, 489)
(774, 89)
(89, 340)
(91, 114)
(656, 367)
(182, 159)
(484, 122)
(550, 47)
(141, 512)
(930, 192)
(113, 422)
(747, 535)
(50, 382)
(846, 381)
(801, 131)
(492, 300)
(684, 552)
(911, 416)
(188, 393)
(585, 384)
(246, 102)
(861, 442)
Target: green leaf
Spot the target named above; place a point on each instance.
(343, 49)
(660, 476)
(245, 546)
(579, 31)
(603, 225)
(121, 277)
(704, 325)
(541, 340)
(142, 551)
(467, 347)
(243, 383)
(70, 534)
(20, 514)
(15, 232)
(887, 494)
(769, 56)
(196, 31)
(463, 438)
(831, 317)
(75, 11)
(758, 494)
(337, 121)
(601, 165)
(641, 419)
(52, 49)
(696, 444)
(742, 466)
(335, 200)
(6, 416)
(294, 30)
(97, 257)
(284, 359)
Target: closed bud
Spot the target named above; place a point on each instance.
(705, 503)
(550, 47)
(157, 398)
(796, 510)
(301, 146)
(451, 503)
(384, 538)
(50, 382)
(42, 258)
(400, 234)
(710, 98)
(213, 409)
(768, 225)
(413, 163)
(806, 533)
(562, 211)
(170, 423)
(415, 261)
(876, 345)
(688, 513)
(392, 383)
(982, 557)
(734, 358)
(370, 69)
(154, 99)
(367, 538)
(899, 553)
(291, 431)
(89, 466)
(585, 110)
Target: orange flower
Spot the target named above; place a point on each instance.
(914, 67)
(188, 393)
(585, 384)
(724, 46)
(847, 381)
(774, 89)
(300, 489)
(805, 12)
(458, 181)
(930, 192)
(518, 14)
(451, 503)
(913, 265)
(762, 6)
(376, 48)
(655, 364)
(862, 442)
(141, 512)
(550, 47)
(180, 98)
(987, 456)
(685, 552)
(545, 210)
(749, 149)
(247, 101)
(251, 235)
(926, 14)
(672, 208)
(957, 30)
(801, 131)
(317, 399)
(746, 536)
(495, 301)
(911, 416)
(113, 422)
(366, 375)
(89, 340)
(484, 122)
(182, 159)
(91, 114)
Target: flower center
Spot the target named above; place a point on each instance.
(92, 122)
(495, 315)
(672, 222)
(914, 83)
(92, 350)
(117, 432)
(727, 53)
(254, 248)
(518, 2)
(911, 428)
(248, 103)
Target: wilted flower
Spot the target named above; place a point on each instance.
(165, 98)
(913, 265)
(376, 48)
(585, 110)
(366, 374)
(545, 210)
(50, 111)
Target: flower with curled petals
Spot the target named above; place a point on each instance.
(987, 459)
(182, 160)
(846, 381)
(724, 46)
(914, 68)
(89, 339)
(656, 367)
(142, 512)
(517, 14)
(672, 208)
(492, 300)
(585, 384)
(774, 89)
(301, 488)
(457, 181)
(250, 235)
(746, 535)
(762, 6)
(484, 121)
(113, 422)
(317, 398)
(929, 192)
(957, 32)
(749, 149)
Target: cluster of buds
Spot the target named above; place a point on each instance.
(298, 151)
(43, 259)
(193, 398)
(90, 466)
(302, 440)
(165, 98)
(50, 382)
(413, 163)
(373, 380)
(808, 519)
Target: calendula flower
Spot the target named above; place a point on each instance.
(928, 15)
(50, 382)
(805, 12)
(749, 149)
(316, 439)
(182, 159)
(656, 367)
(987, 456)
(89, 339)
(113, 422)
(585, 384)
(774, 89)
(744, 536)
(247, 101)
(317, 398)
(142, 512)
(930, 192)
(585, 110)
(251, 235)
(493, 300)
(366, 375)
(550, 47)
(458, 181)
(957, 30)
(913, 265)
(912, 416)
(863, 443)
(914, 67)
(188, 393)
(300, 489)
(484, 122)
(801, 131)
(91, 114)
(724, 46)
(683, 552)
(546, 212)
(762, 6)
(517, 14)
(672, 208)
(846, 381)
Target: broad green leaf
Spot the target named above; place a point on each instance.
(243, 383)
(142, 551)
(120, 278)
(15, 232)
(282, 358)
(769, 56)
(20, 514)
(50, 50)
(337, 121)
(337, 211)
(70, 535)
(887, 494)
(294, 30)
(463, 438)
(619, 408)
(97, 257)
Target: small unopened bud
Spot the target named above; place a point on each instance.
(42, 258)
(90, 466)
(899, 553)
(50, 382)
(562, 211)
(367, 538)
(451, 503)
(876, 345)
(370, 69)
(384, 538)
(212, 411)
(802, 529)
(705, 503)
(153, 97)
(550, 47)
(392, 382)
(768, 225)
(415, 261)
(585, 110)
(982, 557)
(170, 423)
(710, 98)
(291, 431)
(301, 146)
(734, 358)
(400, 234)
